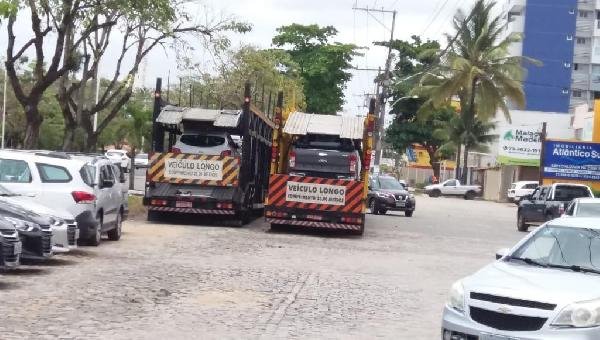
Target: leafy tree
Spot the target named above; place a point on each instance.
(456, 132)
(323, 65)
(408, 127)
(477, 69)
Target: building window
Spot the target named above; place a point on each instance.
(567, 64)
(569, 37)
(581, 41)
(572, 11)
(575, 66)
(565, 91)
(583, 14)
(576, 93)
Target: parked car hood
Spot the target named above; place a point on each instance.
(17, 211)
(29, 204)
(6, 226)
(522, 281)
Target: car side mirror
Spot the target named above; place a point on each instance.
(501, 253)
(107, 183)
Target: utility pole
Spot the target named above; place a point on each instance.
(543, 137)
(383, 83)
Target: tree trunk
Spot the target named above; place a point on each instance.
(465, 173)
(34, 122)
(457, 168)
(468, 121)
(69, 137)
(91, 142)
(434, 162)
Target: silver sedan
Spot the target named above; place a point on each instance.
(546, 287)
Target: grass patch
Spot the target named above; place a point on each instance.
(136, 208)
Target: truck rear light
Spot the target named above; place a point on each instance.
(352, 162)
(159, 202)
(175, 150)
(292, 159)
(277, 214)
(314, 217)
(352, 220)
(224, 205)
(82, 197)
(226, 153)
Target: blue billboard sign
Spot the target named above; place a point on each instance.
(572, 160)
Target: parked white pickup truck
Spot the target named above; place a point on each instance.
(452, 187)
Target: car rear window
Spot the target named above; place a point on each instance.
(324, 142)
(531, 186)
(206, 141)
(588, 210)
(53, 173)
(88, 173)
(14, 171)
(568, 193)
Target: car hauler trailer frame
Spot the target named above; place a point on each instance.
(312, 201)
(209, 184)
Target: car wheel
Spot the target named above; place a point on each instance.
(521, 225)
(373, 207)
(382, 211)
(435, 193)
(115, 234)
(409, 213)
(97, 237)
(469, 195)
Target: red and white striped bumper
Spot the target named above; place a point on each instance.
(193, 210)
(315, 224)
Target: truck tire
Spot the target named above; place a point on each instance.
(153, 216)
(521, 225)
(373, 207)
(469, 195)
(382, 211)
(409, 213)
(360, 231)
(435, 193)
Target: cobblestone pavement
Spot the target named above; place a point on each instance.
(172, 281)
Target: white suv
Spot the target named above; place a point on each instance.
(88, 187)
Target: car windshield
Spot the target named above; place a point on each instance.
(390, 183)
(562, 247)
(588, 210)
(202, 140)
(141, 156)
(114, 153)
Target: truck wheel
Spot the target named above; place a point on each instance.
(153, 216)
(373, 207)
(360, 231)
(435, 193)
(382, 211)
(409, 213)
(115, 234)
(469, 195)
(521, 225)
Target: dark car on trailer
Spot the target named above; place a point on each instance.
(35, 231)
(386, 193)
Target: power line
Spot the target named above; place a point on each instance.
(437, 14)
(452, 13)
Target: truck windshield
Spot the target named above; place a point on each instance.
(390, 183)
(588, 210)
(325, 142)
(568, 193)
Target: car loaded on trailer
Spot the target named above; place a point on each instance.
(319, 170)
(204, 170)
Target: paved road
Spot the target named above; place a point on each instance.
(165, 281)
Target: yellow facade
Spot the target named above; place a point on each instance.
(423, 160)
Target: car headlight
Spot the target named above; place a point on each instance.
(456, 300)
(22, 225)
(411, 195)
(383, 194)
(56, 221)
(579, 315)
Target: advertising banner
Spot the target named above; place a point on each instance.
(313, 193)
(195, 169)
(520, 145)
(572, 160)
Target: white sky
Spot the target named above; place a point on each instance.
(357, 27)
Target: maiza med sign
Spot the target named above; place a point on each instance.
(520, 145)
(315, 193)
(572, 160)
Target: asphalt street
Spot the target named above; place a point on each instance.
(193, 278)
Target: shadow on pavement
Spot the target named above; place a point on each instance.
(24, 271)
(200, 220)
(317, 232)
(79, 252)
(8, 285)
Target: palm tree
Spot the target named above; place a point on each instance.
(478, 70)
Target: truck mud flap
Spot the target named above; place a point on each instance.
(315, 224)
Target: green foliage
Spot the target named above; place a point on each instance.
(8, 8)
(323, 65)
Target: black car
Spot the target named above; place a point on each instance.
(548, 202)
(35, 231)
(387, 193)
(10, 245)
